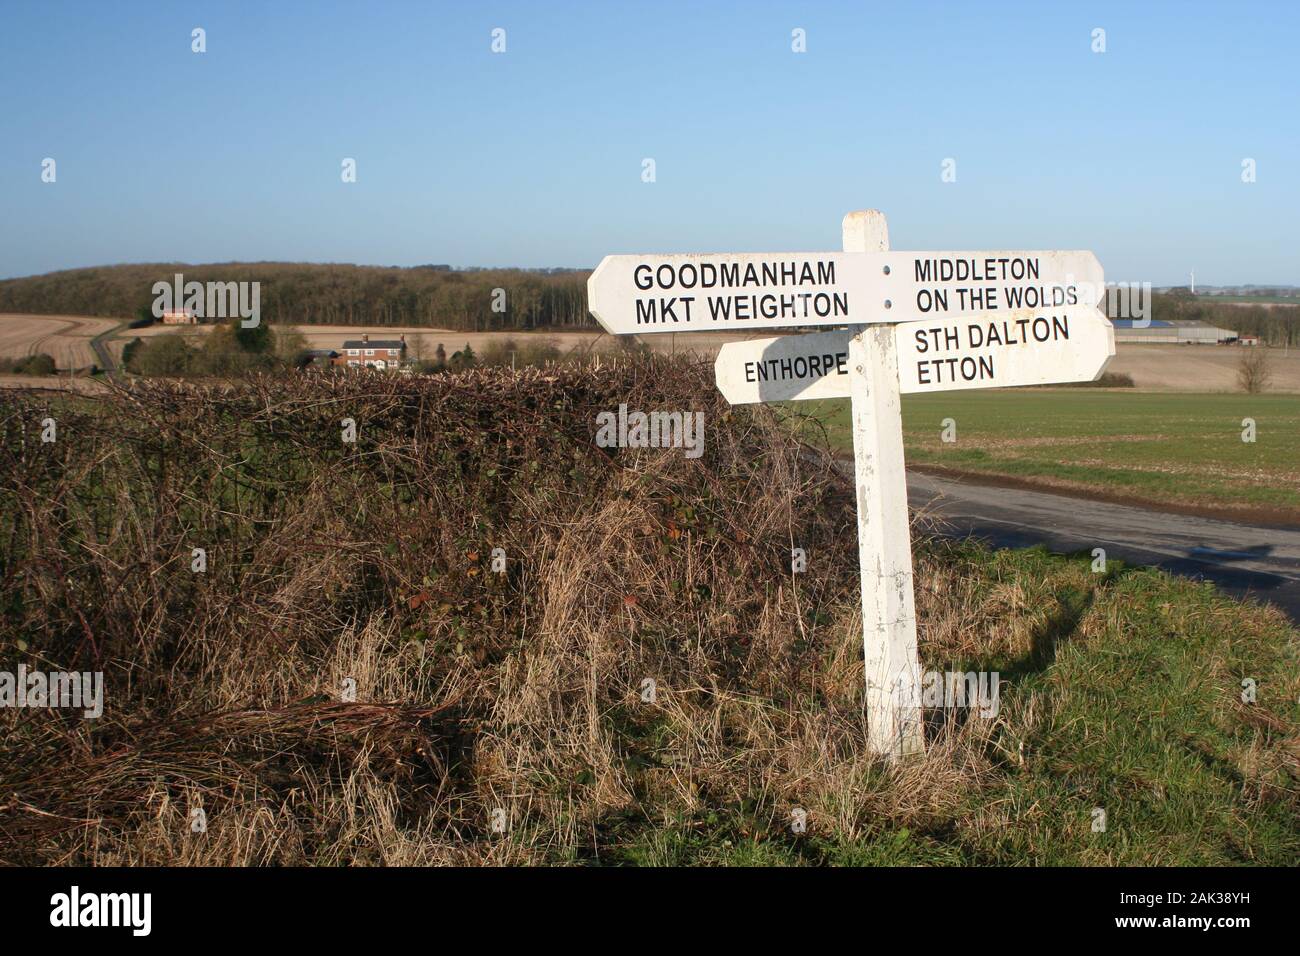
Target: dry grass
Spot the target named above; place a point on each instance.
(478, 696)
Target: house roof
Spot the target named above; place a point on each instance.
(374, 344)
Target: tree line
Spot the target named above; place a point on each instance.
(472, 301)
(1277, 325)
(313, 294)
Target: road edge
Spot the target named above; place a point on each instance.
(1238, 514)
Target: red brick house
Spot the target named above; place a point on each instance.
(379, 353)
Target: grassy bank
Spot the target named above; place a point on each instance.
(1160, 447)
(1122, 693)
(520, 696)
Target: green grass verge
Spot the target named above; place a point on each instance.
(1127, 699)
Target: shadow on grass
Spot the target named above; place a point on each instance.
(1061, 626)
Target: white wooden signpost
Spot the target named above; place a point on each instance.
(918, 321)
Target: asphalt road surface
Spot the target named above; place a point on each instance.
(103, 354)
(1242, 559)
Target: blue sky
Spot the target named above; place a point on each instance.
(534, 157)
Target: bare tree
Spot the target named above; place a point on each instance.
(1254, 371)
(417, 347)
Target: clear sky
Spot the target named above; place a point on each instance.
(533, 157)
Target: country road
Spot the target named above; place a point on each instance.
(1242, 559)
(102, 352)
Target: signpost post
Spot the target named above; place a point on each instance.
(909, 322)
(893, 667)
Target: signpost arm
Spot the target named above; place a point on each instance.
(893, 670)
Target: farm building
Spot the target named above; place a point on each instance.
(180, 317)
(320, 357)
(1177, 332)
(380, 354)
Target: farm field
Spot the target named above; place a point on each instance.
(1162, 448)
(1186, 368)
(1198, 368)
(423, 341)
(78, 383)
(1164, 367)
(66, 338)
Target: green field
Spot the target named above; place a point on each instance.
(1175, 448)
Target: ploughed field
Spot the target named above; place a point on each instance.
(65, 338)
(1199, 368)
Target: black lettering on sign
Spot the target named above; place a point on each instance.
(689, 275)
(674, 309)
(930, 301)
(937, 337)
(966, 368)
(989, 269)
(1018, 331)
(784, 369)
(1041, 297)
(667, 276)
(787, 307)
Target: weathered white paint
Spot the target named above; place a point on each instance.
(1000, 349)
(730, 291)
(893, 671)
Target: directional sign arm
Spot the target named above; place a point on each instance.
(988, 350)
(742, 292)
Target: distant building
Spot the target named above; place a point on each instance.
(180, 317)
(1177, 332)
(322, 356)
(381, 353)
(1248, 340)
